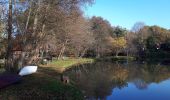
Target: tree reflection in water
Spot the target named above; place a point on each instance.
(100, 79)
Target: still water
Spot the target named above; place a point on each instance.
(122, 81)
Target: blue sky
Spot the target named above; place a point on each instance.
(126, 13)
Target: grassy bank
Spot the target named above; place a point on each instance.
(62, 65)
(45, 84)
(69, 62)
(119, 58)
(116, 58)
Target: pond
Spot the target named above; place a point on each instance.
(122, 81)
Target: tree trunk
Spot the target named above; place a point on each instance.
(34, 42)
(9, 56)
(21, 60)
(117, 53)
(23, 45)
(83, 53)
(97, 51)
(62, 49)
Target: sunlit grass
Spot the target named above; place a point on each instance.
(123, 58)
(45, 85)
(69, 62)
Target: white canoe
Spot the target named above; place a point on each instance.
(27, 70)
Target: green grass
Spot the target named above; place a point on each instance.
(119, 58)
(69, 62)
(61, 65)
(46, 84)
(34, 88)
(116, 58)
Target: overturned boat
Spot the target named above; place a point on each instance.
(9, 79)
(27, 70)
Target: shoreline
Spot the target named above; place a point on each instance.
(61, 65)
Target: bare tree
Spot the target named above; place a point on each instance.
(82, 37)
(101, 31)
(137, 27)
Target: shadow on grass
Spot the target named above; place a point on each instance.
(45, 85)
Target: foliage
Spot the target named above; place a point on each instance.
(137, 27)
(150, 40)
(58, 28)
(151, 43)
(118, 44)
(48, 25)
(119, 32)
(2, 40)
(101, 29)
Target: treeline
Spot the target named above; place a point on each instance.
(39, 28)
(152, 42)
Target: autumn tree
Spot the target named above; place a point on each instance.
(118, 44)
(131, 48)
(34, 21)
(149, 40)
(81, 38)
(2, 30)
(119, 31)
(101, 31)
(2, 40)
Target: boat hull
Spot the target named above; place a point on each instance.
(9, 79)
(27, 70)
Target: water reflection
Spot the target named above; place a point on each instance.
(108, 80)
